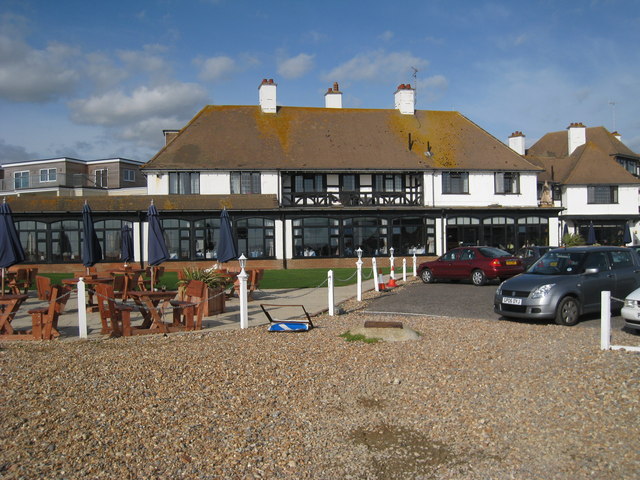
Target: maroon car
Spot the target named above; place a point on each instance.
(477, 263)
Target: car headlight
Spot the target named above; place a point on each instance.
(630, 303)
(499, 291)
(542, 291)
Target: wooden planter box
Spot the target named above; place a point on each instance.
(215, 302)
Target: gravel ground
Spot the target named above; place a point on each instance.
(470, 399)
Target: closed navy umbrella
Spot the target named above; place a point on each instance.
(591, 236)
(627, 235)
(226, 244)
(11, 251)
(156, 246)
(126, 244)
(91, 249)
(565, 232)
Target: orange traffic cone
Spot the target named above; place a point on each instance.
(381, 285)
(392, 281)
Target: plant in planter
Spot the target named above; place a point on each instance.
(217, 283)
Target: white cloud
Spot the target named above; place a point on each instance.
(32, 75)
(146, 60)
(117, 108)
(432, 88)
(386, 35)
(295, 67)
(215, 68)
(377, 66)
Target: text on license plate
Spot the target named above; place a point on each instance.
(512, 301)
(511, 262)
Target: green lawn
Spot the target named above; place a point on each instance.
(293, 278)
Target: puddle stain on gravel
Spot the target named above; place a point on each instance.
(368, 402)
(400, 452)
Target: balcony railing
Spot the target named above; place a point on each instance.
(352, 199)
(32, 182)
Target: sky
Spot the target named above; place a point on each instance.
(103, 79)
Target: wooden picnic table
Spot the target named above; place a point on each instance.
(89, 280)
(151, 304)
(9, 305)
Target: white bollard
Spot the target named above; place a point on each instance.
(415, 269)
(404, 269)
(359, 275)
(244, 312)
(374, 266)
(82, 308)
(605, 320)
(330, 291)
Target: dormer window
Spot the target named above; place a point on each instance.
(184, 183)
(600, 194)
(455, 182)
(507, 182)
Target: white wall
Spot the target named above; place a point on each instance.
(575, 202)
(215, 183)
(157, 184)
(482, 192)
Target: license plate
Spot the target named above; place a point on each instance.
(511, 262)
(512, 301)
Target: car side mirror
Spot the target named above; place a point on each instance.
(591, 271)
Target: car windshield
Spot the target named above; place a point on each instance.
(492, 252)
(558, 263)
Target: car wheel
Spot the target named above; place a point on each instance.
(568, 312)
(478, 278)
(427, 276)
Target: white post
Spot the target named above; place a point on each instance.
(415, 273)
(242, 276)
(359, 275)
(391, 265)
(605, 320)
(330, 292)
(82, 308)
(404, 269)
(374, 266)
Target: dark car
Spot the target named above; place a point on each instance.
(567, 282)
(530, 254)
(476, 263)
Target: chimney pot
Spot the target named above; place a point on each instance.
(576, 136)
(267, 96)
(333, 97)
(516, 142)
(405, 99)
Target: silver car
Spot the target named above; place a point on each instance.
(566, 283)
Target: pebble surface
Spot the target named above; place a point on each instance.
(469, 399)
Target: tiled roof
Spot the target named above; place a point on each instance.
(555, 144)
(592, 163)
(42, 204)
(296, 138)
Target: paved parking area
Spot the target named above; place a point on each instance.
(459, 300)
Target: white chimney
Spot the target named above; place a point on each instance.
(333, 97)
(405, 99)
(267, 96)
(577, 136)
(516, 142)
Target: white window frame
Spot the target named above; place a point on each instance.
(129, 175)
(46, 175)
(21, 175)
(103, 173)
